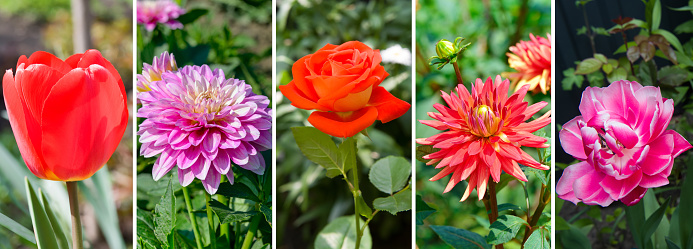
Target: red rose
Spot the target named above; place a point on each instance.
(342, 84)
(67, 116)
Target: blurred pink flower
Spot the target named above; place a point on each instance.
(622, 144)
(150, 13)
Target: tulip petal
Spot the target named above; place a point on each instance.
(83, 120)
(571, 139)
(343, 125)
(45, 58)
(389, 107)
(634, 196)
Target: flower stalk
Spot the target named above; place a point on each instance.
(356, 192)
(252, 229)
(210, 219)
(493, 205)
(74, 213)
(193, 220)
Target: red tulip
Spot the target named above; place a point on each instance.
(67, 116)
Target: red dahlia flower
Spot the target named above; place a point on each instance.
(532, 60)
(483, 134)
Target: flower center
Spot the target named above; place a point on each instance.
(206, 102)
(484, 122)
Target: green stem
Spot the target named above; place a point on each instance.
(225, 229)
(537, 212)
(193, 220)
(210, 218)
(356, 192)
(251, 232)
(458, 73)
(74, 212)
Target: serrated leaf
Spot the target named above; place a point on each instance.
(570, 79)
(348, 152)
(672, 76)
(588, 66)
(390, 174)
(267, 211)
(618, 74)
(341, 234)
(396, 203)
(504, 229)
(505, 207)
(601, 58)
(541, 174)
(460, 238)
(45, 236)
(226, 215)
(165, 216)
(145, 230)
(364, 209)
(319, 148)
(423, 210)
(537, 240)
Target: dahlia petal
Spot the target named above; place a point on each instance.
(176, 136)
(211, 182)
(212, 142)
(482, 179)
(256, 164)
(389, 107)
(185, 177)
(201, 168)
(335, 125)
(197, 136)
(446, 171)
(238, 156)
(230, 177)
(164, 164)
(222, 163)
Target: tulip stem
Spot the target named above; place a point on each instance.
(74, 213)
(458, 73)
(210, 218)
(193, 220)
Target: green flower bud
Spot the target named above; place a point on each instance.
(445, 49)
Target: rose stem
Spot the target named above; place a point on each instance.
(251, 231)
(457, 73)
(193, 220)
(224, 228)
(74, 213)
(210, 218)
(356, 192)
(537, 212)
(493, 203)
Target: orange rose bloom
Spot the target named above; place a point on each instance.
(342, 84)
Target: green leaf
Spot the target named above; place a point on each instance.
(98, 192)
(423, 150)
(672, 76)
(601, 58)
(60, 235)
(341, 234)
(348, 152)
(635, 217)
(504, 229)
(653, 221)
(390, 174)
(267, 211)
(622, 48)
(192, 15)
(397, 203)
(570, 79)
(165, 216)
(505, 207)
(237, 190)
(607, 68)
(541, 174)
(423, 210)
(145, 230)
(588, 66)
(364, 209)
(656, 15)
(45, 236)
(537, 240)
(574, 238)
(226, 215)
(685, 215)
(618, 74)
(686, 27)
(647, 73)
(671, 244)
(460, 238)
(17, 228)
(319, 148)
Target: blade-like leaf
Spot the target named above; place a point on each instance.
(685, 215)
(17, 228)
(341, 234)
(390, 174)
(45, 236)
(635, 217)
(396, 203)
(97, 191)
(504, 229)
(460, 238)
(192, 15)
(60, 235)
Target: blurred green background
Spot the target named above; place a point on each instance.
(29, 26)
(307, 200)
(491, 27)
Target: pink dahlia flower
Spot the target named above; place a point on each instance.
(483, 134)
(203, 123)
(150, 73)
(622, 144)
(150, 13)
(532, 60)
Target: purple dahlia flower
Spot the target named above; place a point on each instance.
(150, 13)
(165, 62)
(202, 122)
